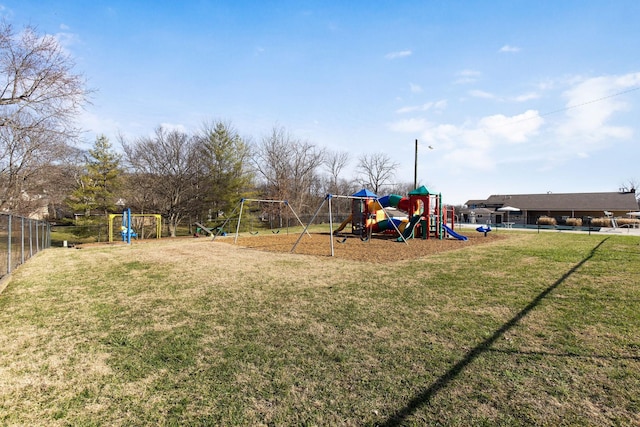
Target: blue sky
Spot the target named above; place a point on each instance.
(514, 96)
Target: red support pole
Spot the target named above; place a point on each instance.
(453, 217)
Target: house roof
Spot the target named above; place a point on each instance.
(612, 201)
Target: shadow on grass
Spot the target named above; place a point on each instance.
(425, 396)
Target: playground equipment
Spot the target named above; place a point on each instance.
(427, 217)
(126, 230)
(611, 218)
(370, 214)
(483, 229)
(240, 207)
(207, 230)
(363, 195)
(453, 234)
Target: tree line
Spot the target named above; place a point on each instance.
(184, 176)
(202, 176)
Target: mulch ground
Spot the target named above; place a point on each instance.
(378, 249)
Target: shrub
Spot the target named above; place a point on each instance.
(575, 222)
(547, 220)
(628, 221)
(601, 222)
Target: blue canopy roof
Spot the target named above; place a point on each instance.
(365, 193)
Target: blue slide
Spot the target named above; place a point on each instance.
(454, 234)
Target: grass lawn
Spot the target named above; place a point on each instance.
(536, 329)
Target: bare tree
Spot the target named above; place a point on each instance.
(630, 185)
(289, 168)
(376, 170)
(170, 174)
(65, 176)
(402, 188)
(39, 97)
(335, 163)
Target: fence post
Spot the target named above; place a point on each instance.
(37, 239)
(9, 245)
(47, 235)
(30, 238)
(21, 240)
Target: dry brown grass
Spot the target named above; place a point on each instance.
(195, 332)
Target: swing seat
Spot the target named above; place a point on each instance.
(131, 233)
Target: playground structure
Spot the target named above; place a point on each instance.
(126, 230)
(611, 218)
(240, 208)
(426, 216)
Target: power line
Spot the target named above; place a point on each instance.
(569, 107)
(593, 101)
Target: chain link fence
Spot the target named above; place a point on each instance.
(20, 239)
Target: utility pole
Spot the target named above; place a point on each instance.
(415, 168)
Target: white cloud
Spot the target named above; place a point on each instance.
(94, 125)
(436, 105)
(65, 38)
(6, 12)
(509, 49)
(465, 149)
(467, 76)
(174, 127)
(440, 105)
(584, 127)
(468, 73)
(467, 159)
(547, 85)
(409, 125)
(517, 128)
(476, 146)
(591, 104)
(415, 88)
(526, 97)
(476, 93)
(409, 109)
(399, 54)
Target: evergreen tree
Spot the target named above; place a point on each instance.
(100, 180)
(226, 158)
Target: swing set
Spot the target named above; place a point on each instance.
(364, 231)
(126, 230)
(240, 209)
